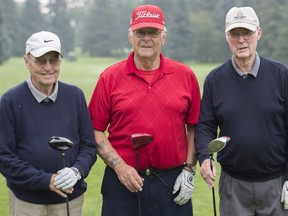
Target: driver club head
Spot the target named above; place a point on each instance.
(218, 144)
(141, 139)
(60, 143)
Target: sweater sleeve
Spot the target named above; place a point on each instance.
(286, 116)
(87, 152)
(18, 172)
(206, 129)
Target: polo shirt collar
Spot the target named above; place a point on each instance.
(40, 96)
(254, 69)
(131, 67)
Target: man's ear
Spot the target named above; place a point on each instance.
(164, 38)
(130, 35)
(26, 61)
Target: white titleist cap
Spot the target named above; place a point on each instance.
(241, 17)
(42, 42)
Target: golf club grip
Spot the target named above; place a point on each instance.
(211, 160)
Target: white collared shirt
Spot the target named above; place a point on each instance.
(40, 96)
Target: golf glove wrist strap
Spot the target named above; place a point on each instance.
(190, 167)
(77, 173)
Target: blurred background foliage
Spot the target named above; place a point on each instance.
(98, 28)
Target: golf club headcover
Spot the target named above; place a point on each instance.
(184, 183)
(67, 178)
(284, 196)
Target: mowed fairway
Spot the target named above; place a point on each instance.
(84, 73)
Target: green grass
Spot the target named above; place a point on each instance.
(84, 74)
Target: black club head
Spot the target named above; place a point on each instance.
(60, 143)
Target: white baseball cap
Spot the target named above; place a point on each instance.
(42, 42)
(241, 17)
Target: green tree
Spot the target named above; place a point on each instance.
(274, 24)
(3, 37)
(195, 28)
(32, 21)
(10, 28)
(61, 24)
(106, 28)
(181, 34)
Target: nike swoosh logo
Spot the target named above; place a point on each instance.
(46, 41)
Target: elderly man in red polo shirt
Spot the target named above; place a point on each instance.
(147, 93)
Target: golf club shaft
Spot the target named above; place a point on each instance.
(213, 190)
(67, 200)
(63, 159)
(67, 206)
(138, 193)
(214, 203)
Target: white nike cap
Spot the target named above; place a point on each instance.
(42, 42)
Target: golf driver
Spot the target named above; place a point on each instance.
(140, 140)
(62, 144)
(215, 146)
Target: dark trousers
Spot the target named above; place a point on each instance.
(156, 199)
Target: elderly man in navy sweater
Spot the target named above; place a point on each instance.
(246, 98)
(31, 113)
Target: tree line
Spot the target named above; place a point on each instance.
(99, 27)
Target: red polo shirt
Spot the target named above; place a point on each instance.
(124, 103)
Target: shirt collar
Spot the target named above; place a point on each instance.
(254, 69)
(131, 67)
(40, 96)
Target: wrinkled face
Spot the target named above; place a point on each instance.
(44, 70)
(147, 42)
(243, 42)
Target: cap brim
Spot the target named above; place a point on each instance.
(41, 51)
(241, 25)
(147, 25)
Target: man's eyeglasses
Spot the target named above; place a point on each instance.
(244, 34)
(54, 61)
(151, 33)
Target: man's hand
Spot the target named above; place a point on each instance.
(129, 177)
(284, 197)
(60, 192)
(66, 178)
(184, 182)
(207, 174)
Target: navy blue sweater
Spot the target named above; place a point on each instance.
(253, 112)
(26, 159)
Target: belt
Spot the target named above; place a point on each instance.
(152, 170)
(149, 171)
(156, 172)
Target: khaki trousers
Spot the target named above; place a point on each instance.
(21, 208)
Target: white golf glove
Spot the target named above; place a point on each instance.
(67, 178)
(184, 182)
(284, 197)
